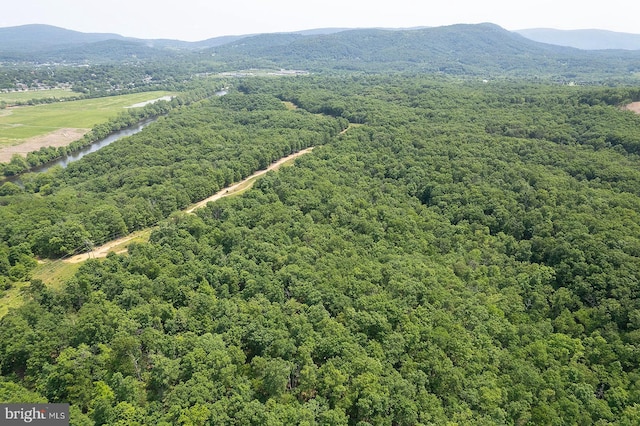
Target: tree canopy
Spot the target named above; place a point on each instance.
(452, 252)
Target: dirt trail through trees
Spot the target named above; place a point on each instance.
(104, 249)
(246, 182)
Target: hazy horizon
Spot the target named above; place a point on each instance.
(310, 29)
(196, 20)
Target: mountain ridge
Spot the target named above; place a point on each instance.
(472, 49)
(23, 36)
(45, 36)
(585, 39)
(484, 49)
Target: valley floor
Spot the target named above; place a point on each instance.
(60, 137)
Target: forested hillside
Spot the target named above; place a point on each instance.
(464, 253)
(484, 50)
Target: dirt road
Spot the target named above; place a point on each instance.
(246, 182)
(101, 251)
(104, 249)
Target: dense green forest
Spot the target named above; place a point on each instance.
(485, 50)
(39, 56)
(452, 252)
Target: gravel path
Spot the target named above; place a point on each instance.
(104, 249)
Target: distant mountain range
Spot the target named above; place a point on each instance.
(38, 37)
(480, 49)
(44, 39)
(584, 39)
(43, 43)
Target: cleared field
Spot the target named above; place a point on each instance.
(290, 105)
(53, 273)
(21, 123)
(24, 96)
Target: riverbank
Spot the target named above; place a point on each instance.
(23, 123)
(56, 139)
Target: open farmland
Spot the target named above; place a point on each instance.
(11, 98)
(19, 124)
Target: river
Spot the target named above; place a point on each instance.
(76, 155)
(93, 147)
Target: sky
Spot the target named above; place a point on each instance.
(195, 20)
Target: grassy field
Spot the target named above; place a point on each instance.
(52, 272)
(21, 123)
(12, 298)
(290, 105)
(13, 97)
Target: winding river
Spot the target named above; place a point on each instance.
(76, 155)
(93, 147)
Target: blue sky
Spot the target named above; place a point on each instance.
(194, 20)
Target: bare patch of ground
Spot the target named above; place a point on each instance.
(60, 137)
(141, 104)
(103, 250)
(633, 106)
